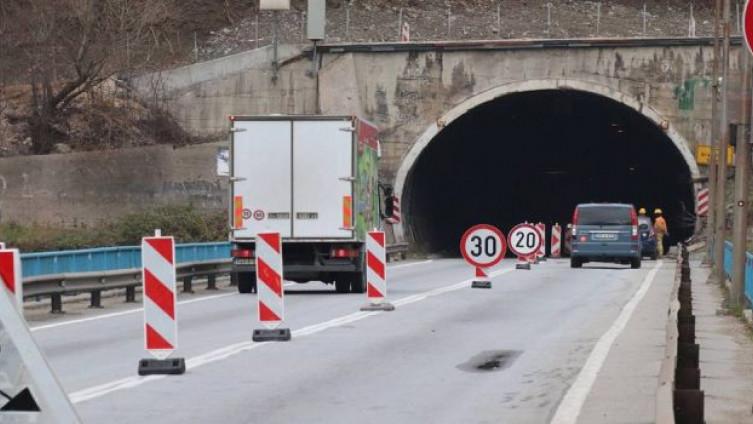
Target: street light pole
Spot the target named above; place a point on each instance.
(712, 171)
(742, 169)
(720, 218)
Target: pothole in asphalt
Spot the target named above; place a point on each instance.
(490, 360)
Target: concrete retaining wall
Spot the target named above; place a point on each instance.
(90, 187)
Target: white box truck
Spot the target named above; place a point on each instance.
(313, 179)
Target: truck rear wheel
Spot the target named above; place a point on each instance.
(246, 282)
(342, 285)
(358, 282)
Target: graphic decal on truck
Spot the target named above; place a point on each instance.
(367, 205)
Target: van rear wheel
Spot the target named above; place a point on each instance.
(576, 262)
(635, 263)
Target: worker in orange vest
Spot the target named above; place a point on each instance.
(660, 229)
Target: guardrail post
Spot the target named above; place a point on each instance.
(57, 303)
(187, 287)
(96, 299)
(212, 282)
(130, 294)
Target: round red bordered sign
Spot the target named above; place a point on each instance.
(524, 240)
(748, 25)
(259, 214)
(483, 245)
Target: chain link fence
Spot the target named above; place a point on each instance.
(436, 20)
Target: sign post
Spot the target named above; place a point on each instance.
(483, 246)
(10, 275)
(376, 273)
(270, 290)
(524, 241)
(160, 320)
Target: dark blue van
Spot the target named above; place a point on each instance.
(605, 232)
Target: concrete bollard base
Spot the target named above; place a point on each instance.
(370, 307)
(276, 335)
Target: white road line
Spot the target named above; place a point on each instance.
(183, 302)
(234, 349)
(121, 313)
(572, 403)
(410, 264)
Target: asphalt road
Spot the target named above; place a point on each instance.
(447, 354)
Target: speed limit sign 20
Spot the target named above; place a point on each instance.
(524, 240)
(483, 245)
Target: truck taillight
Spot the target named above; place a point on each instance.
(634, 222)
(242, 253)
(344, 252)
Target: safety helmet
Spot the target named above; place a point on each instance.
(657, 211)
(642, 211)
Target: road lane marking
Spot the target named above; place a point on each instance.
(572, 403)
(234, 349)
(121, 313)
(410, 264)
(183, 302)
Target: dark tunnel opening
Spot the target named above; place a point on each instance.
(534, 156)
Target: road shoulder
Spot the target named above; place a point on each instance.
(625, 389)
(726, 354)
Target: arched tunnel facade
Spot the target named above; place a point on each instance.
(533, 156)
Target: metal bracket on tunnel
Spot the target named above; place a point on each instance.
(276, 335)
(174, 366)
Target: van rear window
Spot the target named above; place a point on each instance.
(604, 215)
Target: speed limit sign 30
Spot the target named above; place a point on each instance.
(525, 241)
(483, 246)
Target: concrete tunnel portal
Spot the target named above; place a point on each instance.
(532, 156)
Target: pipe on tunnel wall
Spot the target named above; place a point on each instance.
(409, 161)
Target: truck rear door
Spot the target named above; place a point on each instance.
(261, 167)
(322, 179)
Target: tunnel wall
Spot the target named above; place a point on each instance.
(405, 93)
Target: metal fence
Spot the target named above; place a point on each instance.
(748, 269)
(113, 258)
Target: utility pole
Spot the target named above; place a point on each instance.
(712, 171)
(742, 168)
(721, 180)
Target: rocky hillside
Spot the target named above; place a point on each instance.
(64, 62)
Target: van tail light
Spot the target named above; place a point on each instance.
(575, 222)
(243, 253)
(344, 252)
(634, 222)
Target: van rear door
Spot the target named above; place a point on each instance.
(604, 229)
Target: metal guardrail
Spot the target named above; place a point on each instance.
(71, 272)
(748, 269)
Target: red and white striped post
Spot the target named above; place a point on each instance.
(541, 254)
(269, 288)
(160, 319)
(702, 202)
(396, 217)
(556, 241)
(376, 272)
(10, 274)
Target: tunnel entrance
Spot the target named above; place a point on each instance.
(533, 156)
